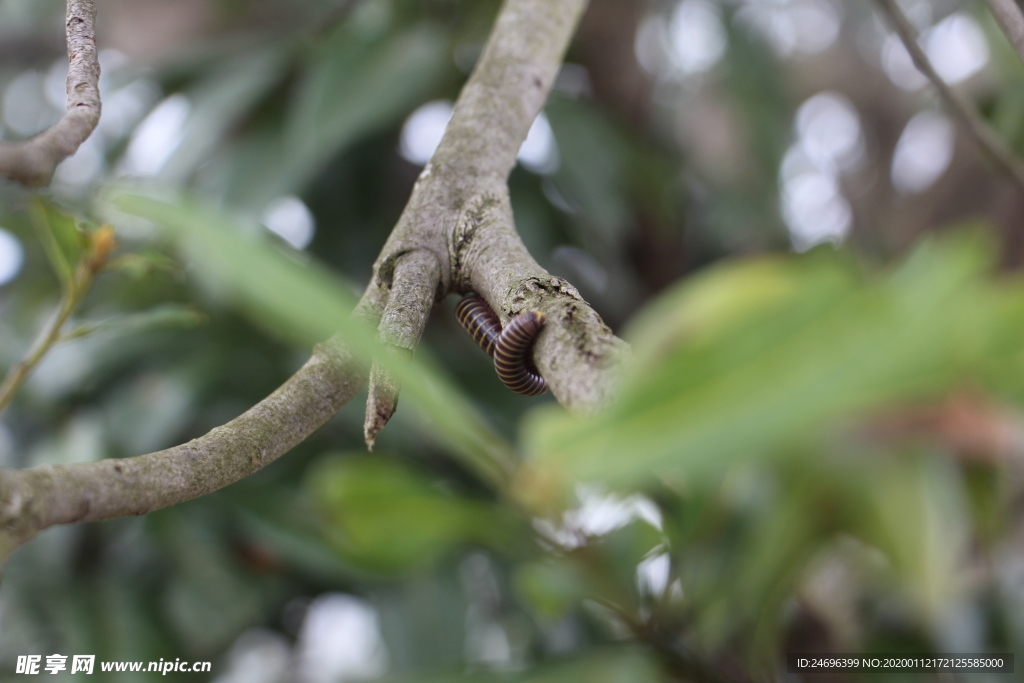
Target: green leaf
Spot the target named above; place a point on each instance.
(61, 239)
(552, 586)
(599, 665)
(355, 84)
(918, 516)
(219, 102)
(593, 167)
(387, 518)
(624, 548)
(169, 315)
(621, 665)
(139, 265)
(747, 363)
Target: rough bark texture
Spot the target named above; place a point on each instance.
(456, 234)
(1010, 16)
(32, 500)
(33, 162)
(413, 292)
(460, 210)
(575, 352)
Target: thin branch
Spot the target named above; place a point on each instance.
(47, 338)
(74, 287)
(961, 109)
(33, 162)
(1011, 19)
(401, 326)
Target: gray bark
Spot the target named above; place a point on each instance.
(455, 235)
(32, 163)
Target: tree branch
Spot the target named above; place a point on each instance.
(33, 162)
(456, 233)
(412, 296)
(460, 210)
(576, 352)
(32, 500)
(962, 110)
(1011, 19)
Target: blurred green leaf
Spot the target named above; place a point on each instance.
(357, 83)
(593, 168)
(299, 301)
(226, 94)
(602, 665)
(625, 665)
(168, 315)
(289, 531)
(552, 586)
(61, 239)
(138, 265)
(624, 548)
(918, 515)
(386, 517)
(727, 370)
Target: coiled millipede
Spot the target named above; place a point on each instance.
(510, 347)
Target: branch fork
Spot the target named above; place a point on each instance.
(456, 234)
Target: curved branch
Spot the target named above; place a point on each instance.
(963, 111)
(35, 499)
(33, 162)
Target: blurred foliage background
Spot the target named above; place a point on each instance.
(818, 443)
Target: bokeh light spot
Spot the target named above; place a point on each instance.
(696, 36)
(423, 131)
(815, 211)
(956, 48)
(539, 153)
(26, 110)
(830, 130)
(340, 640)
(12, 257)
(292, 220)
(923, 152)
(156, 138)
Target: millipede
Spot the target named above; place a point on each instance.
(510, 347)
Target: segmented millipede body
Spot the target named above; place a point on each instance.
(477, 318)
(510, 347)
